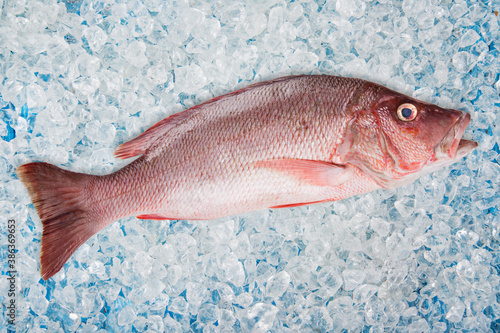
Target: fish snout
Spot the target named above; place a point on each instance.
(452, 145)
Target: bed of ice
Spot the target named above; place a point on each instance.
(80, 77)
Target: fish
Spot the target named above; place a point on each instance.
(287, 142)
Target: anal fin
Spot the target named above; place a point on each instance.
(298, 204)
(153, 217)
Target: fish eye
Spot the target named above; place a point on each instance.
(407, 112)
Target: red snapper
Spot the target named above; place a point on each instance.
(282, 143)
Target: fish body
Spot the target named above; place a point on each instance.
(281, 143)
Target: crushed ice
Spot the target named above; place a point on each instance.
(81, 77)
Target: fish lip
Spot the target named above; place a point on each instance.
(452, 146)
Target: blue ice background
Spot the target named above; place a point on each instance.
(427, 254)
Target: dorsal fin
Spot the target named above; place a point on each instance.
(140, 144)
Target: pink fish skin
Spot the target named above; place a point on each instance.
(281, 143)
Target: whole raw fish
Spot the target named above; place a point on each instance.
(282, 143)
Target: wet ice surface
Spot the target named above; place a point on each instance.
(79, 78)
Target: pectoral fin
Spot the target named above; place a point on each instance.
(317, 173)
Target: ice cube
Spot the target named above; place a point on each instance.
(126, 316)
(37, 300)
(348, 8)
(461, 61)
(189, 79)
(456, 311)
(469, 38)
(375, 311)
(96, 37)
(278, 284)
(276, 19)
(208, 313)
(330, 278)
(135, 53)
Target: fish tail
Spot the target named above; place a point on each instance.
(59, 198)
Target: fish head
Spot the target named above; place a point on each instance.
(395, 139)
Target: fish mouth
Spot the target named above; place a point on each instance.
(452, 146)
(449, 150)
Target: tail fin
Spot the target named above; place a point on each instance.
(58, 197)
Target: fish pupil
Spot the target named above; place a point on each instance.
(406, 112)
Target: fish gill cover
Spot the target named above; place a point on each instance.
(81, 77)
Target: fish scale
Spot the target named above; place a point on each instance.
(282, 143)
(273, 144)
